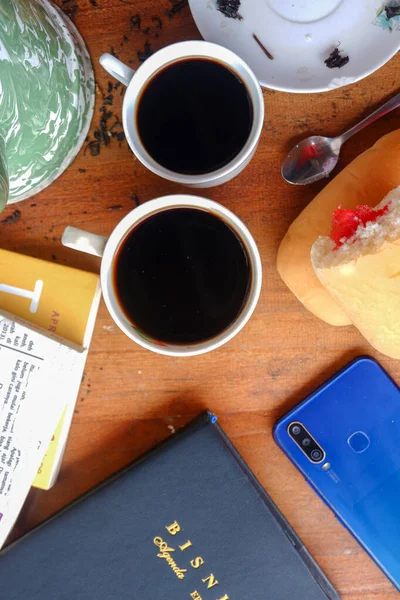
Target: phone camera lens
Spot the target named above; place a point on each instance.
(304, 439)
(316, 454)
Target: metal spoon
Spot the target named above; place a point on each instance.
(315, 157)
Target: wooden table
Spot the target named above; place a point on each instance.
(131, 398)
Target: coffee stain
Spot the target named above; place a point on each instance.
(70, 8)
(145, 53)
(13, 218)
(135, 198)
(176, 8)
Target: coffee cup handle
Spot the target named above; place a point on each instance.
(116, 68)
(84, 241)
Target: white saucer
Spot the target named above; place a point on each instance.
(300, 35)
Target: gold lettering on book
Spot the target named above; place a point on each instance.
(211, 581)
(185, 546)
(196, 563)
(174, 528)
(165, 553)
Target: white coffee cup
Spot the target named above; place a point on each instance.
(137, 80)
(108, 250)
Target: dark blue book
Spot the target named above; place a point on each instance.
(187, 521)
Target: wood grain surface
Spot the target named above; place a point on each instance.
(131, 398)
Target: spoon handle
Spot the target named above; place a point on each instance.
(380, 112)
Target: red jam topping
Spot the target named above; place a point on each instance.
(346, 221)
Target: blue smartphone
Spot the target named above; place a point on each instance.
(345, 440)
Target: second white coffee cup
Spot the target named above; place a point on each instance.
(109, 248)
(136, 82)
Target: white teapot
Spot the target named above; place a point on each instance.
(46, 96)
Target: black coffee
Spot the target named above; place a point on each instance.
(194, 116)
(182, 276)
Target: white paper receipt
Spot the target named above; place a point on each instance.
(31, 403)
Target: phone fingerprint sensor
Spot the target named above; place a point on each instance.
(358, 441)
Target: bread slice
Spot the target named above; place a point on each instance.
(363, 275)
(366, 180)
